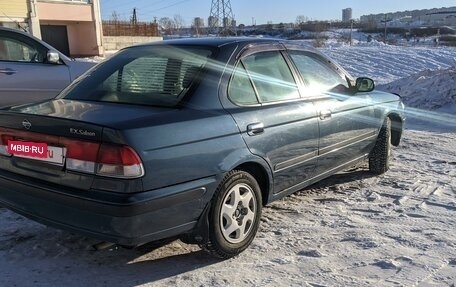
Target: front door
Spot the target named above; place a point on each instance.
(347, 123)
(275, 122)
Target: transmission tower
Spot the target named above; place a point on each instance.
(221, 20)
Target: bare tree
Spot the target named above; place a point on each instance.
(167, 24)
(178, 22)
(301, 20)
(320, 38)
(115, 17)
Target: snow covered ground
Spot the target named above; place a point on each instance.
(353, 229)
(385, 63)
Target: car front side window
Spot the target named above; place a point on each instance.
(14, 50)
(318, 76)
(271, 76)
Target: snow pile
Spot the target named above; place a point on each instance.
(429, 90)
(386, 63)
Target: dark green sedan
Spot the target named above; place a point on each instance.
(190, 138)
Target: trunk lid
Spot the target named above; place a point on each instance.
(64, 125)
(83, 114)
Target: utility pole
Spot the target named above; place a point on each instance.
(384, 39)
(437, 40)
(385, 22)
(351, 32)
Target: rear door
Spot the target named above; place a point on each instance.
(346, 120)
(275, 122)
(24, 75)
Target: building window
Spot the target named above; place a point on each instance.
(73, 1)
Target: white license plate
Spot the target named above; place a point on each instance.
(55, 155)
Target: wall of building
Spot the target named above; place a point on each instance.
(66, 11)
(13, 12)
(82, 37)
(14, 9)
(82, 20)
(347, 15)
(437, 16)
(114, 43)
(450, 20)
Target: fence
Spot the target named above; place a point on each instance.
(125, 28)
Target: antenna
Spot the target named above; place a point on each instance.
(221, 19)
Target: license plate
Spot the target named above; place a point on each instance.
(37, 151)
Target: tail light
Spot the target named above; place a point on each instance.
(103, 159)
(119, 161)
(4, 144)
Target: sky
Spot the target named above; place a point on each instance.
(263, 11)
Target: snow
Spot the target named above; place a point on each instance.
(386, 63)
(430, 90)
(352, 229)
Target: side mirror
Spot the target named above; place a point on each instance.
(364, 85)
(53, 57)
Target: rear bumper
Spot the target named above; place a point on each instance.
(127, 219)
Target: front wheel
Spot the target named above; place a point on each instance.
(380, 155)
(235, 215)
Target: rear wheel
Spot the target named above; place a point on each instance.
(235, 215)
(380, 155)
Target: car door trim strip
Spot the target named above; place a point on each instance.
(347, 143)
(317, 154)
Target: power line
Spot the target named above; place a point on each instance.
(175, 4)
(146, 11)
(126, 3)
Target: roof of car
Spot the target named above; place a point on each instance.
(218, 42)
(212, 41)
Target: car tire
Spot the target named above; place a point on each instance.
(234, 216)
(381, 153)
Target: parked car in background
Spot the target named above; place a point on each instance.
(32, 70)
(191, 138)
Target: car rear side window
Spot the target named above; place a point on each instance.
(318, 76)
(271, 78)
(240, 90)
(157, 76)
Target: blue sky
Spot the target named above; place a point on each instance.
(262, 11)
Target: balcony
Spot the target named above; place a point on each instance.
(65, 10)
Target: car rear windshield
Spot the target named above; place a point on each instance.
(144, 75)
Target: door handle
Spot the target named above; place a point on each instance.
(255, 129)
(325, 114)
(8, 71)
